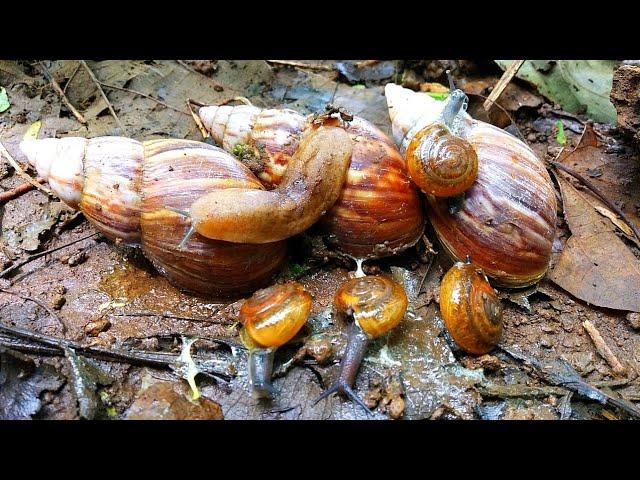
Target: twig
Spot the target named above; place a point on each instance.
(172, 317)
(73, 75)
(600, 195)
(244, 100)
(290, 63)
(136, 92)
(140, 357)
(203, 131)
(42, 254)
(491, 390)
(21, 172)
(63, 96)
(38, 302)
(424, 277)
(104, 96)
(508, 74)
(17, 191)
(603, 349)
(367, 63)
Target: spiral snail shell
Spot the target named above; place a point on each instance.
(470, 309)
(377, 305)
(507, 218)
(271, 317)
(132, 192)
(378, 212)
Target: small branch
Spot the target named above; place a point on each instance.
(603, 349)
(172, 317)
(600, 195)
(307, 66)
(203, 131)
(136, 92)
(38, 302)
(104, 96)
(21, 172)
(508, 74)
(73, 75)
(62, 95)
(42, 254)
(139, 357)
(18, 191)
(492, 390)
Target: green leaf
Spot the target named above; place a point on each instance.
(4, 100)
(560, 136)
(576, 85)
(438, 95)
(360, 87)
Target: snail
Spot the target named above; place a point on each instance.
(377, 305)
(150, 193)
(470, 308)
(378, 213)
(506, 220)
(271, 317)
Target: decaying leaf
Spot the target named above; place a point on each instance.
(595, 265)
(28, 235)
(574, 84)
(32, 131)
(605, 212)
(22, 383)
(86, 376)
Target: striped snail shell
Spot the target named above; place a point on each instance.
(123, 187)
(379, 211)
(470, 309)
(507, 219)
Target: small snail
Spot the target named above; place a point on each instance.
(271, 318)
(379, 211)
(131, 191)
(506, 221)
(440, 162)
(470, 308)
(377, 305)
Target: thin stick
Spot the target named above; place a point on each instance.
(172, 317)
(508, 74)
(104, 96)
(62, 95)
(21, 172)
(603, 349)
(157, 359)
(38, 302)
(17, 191)
(597, 192)
(290, 63)
(203, 131)
(42, 254)
(244, 100)
(136, 92)
(73, 75)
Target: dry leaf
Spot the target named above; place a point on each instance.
(605, 212)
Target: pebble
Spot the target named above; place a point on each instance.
(634, 320)
(94, 328)
(57, 301)
(77, 258)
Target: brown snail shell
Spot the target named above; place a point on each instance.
(124, 188)
(506, 221)
(274, 315)
(377, 303)
(470, 309)
(379, 212)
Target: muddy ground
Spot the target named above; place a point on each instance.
(110, 298)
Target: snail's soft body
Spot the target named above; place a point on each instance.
(506, 222)
(378, 213)
(133, 192)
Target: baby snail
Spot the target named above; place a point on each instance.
(271, 317)
(440, 162)
(377, 305)
(470, 308)
(506, 219)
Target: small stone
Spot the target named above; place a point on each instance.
(94, 328)
(57, 301)
(150, 343)
(77, 258)
(532, 137)
(320, 350)
(634, 320)
(396, 408)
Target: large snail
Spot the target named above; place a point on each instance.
(376, 304)
(271, 317)
(133, 192)
(378, 213)
(470, 308)
(507, 217)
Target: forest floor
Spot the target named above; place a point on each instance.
(96, 332)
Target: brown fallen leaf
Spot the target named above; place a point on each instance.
(595, 265)
(615, 219)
